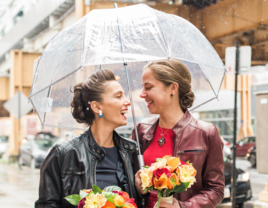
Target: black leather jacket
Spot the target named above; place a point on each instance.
(71, 167)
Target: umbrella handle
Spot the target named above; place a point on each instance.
(141, 161)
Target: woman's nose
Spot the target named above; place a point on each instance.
(142, 95)
(127, 102)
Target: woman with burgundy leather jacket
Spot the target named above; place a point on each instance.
(167, 91)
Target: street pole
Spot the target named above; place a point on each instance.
(234, 174)
(19, 124)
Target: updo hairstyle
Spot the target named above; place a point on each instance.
(169, 71)
(90, 90)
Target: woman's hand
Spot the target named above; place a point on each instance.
(138, 183)
(167, 205)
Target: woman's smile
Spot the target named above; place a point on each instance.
(123, 112)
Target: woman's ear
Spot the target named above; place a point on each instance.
(174, 87)
(95, 106)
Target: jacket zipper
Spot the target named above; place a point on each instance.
(131, 191)
(184, 151)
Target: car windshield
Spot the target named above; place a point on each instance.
(3, 138)
(44, 143)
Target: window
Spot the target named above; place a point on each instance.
(18, 16)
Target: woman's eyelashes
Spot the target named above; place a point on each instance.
(148, 88)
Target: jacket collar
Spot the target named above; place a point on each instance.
(178, 127)
(121, 143)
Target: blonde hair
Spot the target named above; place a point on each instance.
(170, 71)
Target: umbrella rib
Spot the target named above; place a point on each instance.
(36, 111)
(55, 82)
(163, 36)
(202, 104)
(65, 127)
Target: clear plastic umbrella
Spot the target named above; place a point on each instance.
(123, 40)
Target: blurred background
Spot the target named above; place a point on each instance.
(26, 27)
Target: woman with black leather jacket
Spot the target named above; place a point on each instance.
(98, 156)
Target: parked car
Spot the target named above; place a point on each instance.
(251, 156)
(33, 152)
(244, 144)
(226, 149)
(3, 144)
(243, 187)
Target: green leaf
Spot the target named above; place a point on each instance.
(149, 189)
(121, 205)
(112, 188)
(158, 159)
(158, 198)
(96, 189)
(108, 194)
(146, 166)
(182, 187)
(73, 199)
(83, 194)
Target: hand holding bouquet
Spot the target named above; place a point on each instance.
(167, 176)
(110, 197)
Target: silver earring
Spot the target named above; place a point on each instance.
(100, 114)
(87, 108)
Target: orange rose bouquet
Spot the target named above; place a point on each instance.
(167, 176)
(110, 197)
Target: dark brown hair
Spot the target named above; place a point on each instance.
(169, 71)
(90, 90)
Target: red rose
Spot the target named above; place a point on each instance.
(131, 201)
(157, 173)
(81, 203)
(118, 192)
(183, 163)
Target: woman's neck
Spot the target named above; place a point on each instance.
(170, 117)
(103, 134)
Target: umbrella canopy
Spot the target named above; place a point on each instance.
(110, 38)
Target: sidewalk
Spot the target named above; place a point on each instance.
(19, 188)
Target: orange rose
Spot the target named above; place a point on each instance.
(173, 162)
(125, 195)
(167, 157)
(128, 205)
(162, 183)
(87, 190)
(176, 178)
(119, 200)
(109, 205)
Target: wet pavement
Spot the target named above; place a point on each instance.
(19, 188)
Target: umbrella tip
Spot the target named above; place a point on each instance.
(115, 5)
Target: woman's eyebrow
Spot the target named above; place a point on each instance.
(146, 83)
(118, 91)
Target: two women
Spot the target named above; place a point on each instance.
(99, 155)
(167, 91)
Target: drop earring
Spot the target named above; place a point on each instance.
(100, 114)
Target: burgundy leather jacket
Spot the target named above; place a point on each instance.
(200, 143)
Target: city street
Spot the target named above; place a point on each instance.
(19, 188)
